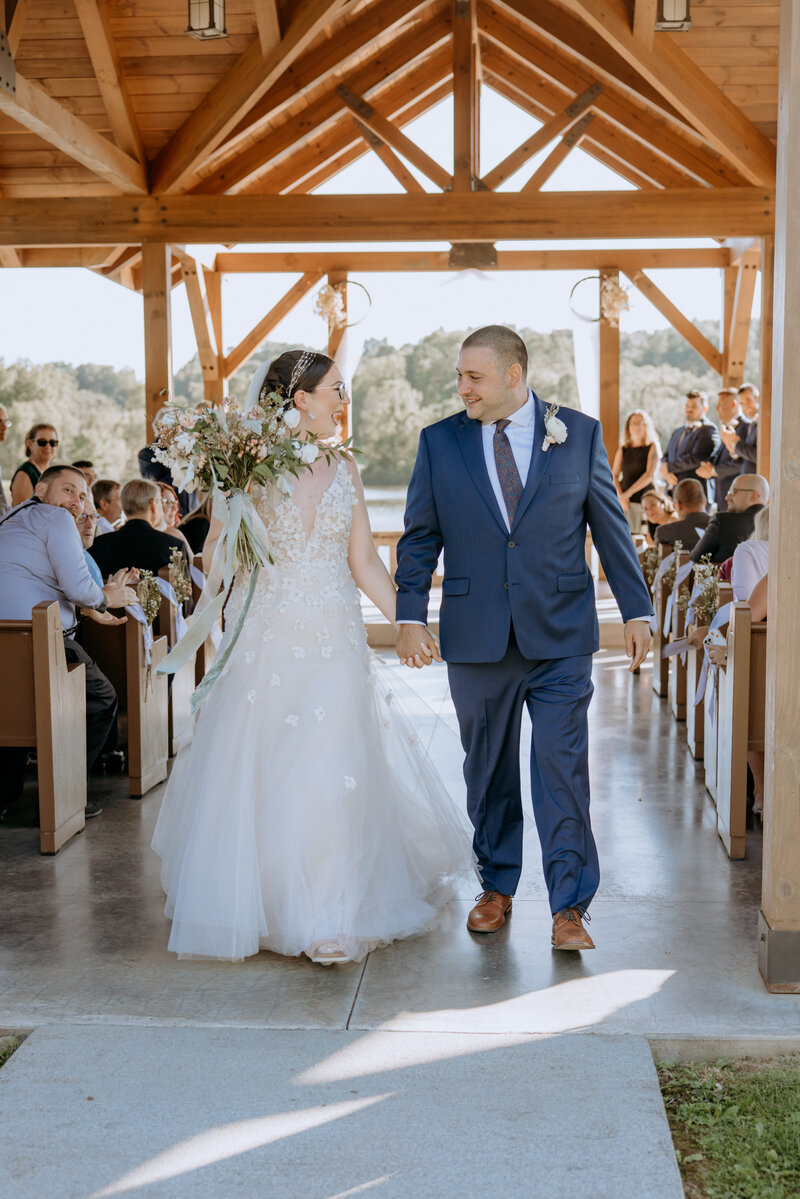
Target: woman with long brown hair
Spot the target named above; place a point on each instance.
(635, 465)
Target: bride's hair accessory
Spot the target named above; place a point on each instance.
(303, 362)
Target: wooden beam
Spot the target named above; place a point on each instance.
(767, 300)
(557, 155)
(32, 108)
(269, 26)
(742, 311)
(156, 268)
(193, 279)
(395, 138)
(466, 93)
(215, 389)
(245, 84)
(91, 257)
(562, 121)
(15, 26)
(779, 920)
(260, 332)
(644, 21)
(686, 87)
(9, 257)
(474, 216)
(517, 33)
(96, 28)
(679, 322)
(609, 376)
(359, 262)
(390, 160)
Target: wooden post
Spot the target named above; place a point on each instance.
(466, 92)
(729, 276)
(336, 342)
(767, 295)
(156, 281)
(215, 388)
(779, 921)
(609, 375)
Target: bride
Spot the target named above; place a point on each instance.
(304, 817)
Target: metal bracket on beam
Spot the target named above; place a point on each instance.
(475, 255)
(8, 71)
(584, 100)
(369, 137)
(356, 103)
(575, 134)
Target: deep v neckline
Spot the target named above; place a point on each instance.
(323, 496)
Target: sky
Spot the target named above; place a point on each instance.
(76, 316)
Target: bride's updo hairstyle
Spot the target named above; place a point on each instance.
(296, 370)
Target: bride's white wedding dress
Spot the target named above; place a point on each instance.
(305, 809)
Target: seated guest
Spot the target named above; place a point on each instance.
(658, 510)
(691, 443)
(149, 468)
(105, 493)
(195, 526)
(635, 465)
(5, 425)
(751, 559)
(139, 544)
(43, 560)
(747, 496)
(169, 506)
(88, 471)
(690, 502)
(726, 463)
(41, 444)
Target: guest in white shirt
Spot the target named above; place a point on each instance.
(105, 493)
(42, 559)
(751, 559)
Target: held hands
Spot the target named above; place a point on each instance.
(637, 642)
(705, 470)
(417, 646)
(729, 438)
(118, 592)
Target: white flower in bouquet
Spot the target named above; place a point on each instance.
(556, 429)
(291, 418)
(309, 454)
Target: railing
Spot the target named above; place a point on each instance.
(388, 542)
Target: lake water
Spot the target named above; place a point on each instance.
(386, 506)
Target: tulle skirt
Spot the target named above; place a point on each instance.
(306, 807)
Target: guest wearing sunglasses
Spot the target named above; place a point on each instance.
(40, 450)
(747, 496)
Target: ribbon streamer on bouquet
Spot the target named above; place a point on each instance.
(682, 573)
(722, 617)
(197, 576)
(238, 516)
(135, 610)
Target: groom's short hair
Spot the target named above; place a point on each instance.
(506, 345)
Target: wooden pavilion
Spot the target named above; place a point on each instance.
(124, 140)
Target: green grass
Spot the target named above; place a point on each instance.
(736, 1127)
(7, 1046)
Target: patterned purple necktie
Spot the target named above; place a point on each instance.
(510, 482)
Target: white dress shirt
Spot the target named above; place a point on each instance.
(104, 526)
(750, 563)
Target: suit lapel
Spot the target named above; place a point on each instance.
(540, 461)
(470, 441)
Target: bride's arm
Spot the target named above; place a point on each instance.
(209, 545)
(366, 567)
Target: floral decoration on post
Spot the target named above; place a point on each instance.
(149, 596)
(649, 560)
(556, 429)
(671, 573)
(179, 575)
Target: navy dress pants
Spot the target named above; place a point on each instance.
(489, 698)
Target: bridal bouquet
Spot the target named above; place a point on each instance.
(224, 449)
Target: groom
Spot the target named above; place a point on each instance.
(508, 496)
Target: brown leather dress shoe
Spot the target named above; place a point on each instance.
(568, 930)
(489, 912)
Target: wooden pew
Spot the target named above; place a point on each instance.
(710, 713)
(695, 721)
(46, 708)
(183, 681)
(143, 717)
(660, 665)
(741, 714)
(677, 665)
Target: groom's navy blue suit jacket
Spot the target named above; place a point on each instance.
(536, 574)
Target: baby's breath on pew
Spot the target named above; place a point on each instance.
(149, 595)
(650, 560)
(706, 581)
(179, 575)
(671, 573)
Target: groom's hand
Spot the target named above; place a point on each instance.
(637, 641)
(416, 645)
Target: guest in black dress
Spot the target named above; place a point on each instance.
(195, 526)
(658, 510)
(41, 444)
(635, 465)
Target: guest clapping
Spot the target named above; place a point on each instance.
(658, 511)
(139, 543)
(635, 465)
(690, 502)
(41, 444)
(747, 496)
(726, 462)
(105, 493)
(691, 443)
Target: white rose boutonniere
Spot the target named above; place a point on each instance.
(556, 429)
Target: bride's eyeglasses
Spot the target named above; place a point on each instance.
(341, 388)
